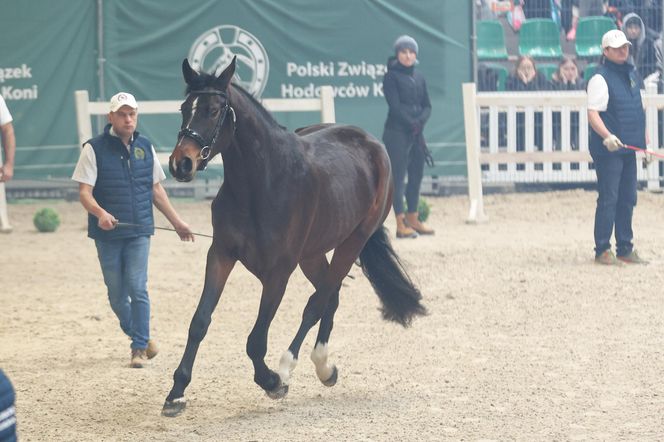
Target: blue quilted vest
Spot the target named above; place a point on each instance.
(124, 185)
(624, 116)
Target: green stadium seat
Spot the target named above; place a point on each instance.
(502, 74)
(547, 69)
(589, 35)
(540, 37)
(589, 71)
(491, 40)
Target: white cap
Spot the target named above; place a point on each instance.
(123, 99)
(614, 39)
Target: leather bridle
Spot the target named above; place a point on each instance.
(205, 144)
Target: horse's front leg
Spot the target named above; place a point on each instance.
(273, 291)
(218, 267)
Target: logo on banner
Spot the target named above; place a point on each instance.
(214, 49)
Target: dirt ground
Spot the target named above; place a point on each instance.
(527, 338)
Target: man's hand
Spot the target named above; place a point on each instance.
(6, 173)
(612, 143)
(107, 221)
(183, 231)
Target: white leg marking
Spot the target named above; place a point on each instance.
(319, 357)
(287, 364)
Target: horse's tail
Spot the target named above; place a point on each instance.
(397, 293)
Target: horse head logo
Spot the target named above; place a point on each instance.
(215, 48)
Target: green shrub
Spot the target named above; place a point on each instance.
(423, 210)
(46, 220)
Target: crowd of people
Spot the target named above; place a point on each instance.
(640, 20)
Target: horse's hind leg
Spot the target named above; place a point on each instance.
(323, 305)
(216, 273)
(315, 270)
(326, 373)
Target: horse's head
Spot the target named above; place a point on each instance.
(208, 121)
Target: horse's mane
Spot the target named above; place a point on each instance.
(257, 104)
(204, 80)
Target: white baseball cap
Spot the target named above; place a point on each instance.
(123, 99)
(614, 39)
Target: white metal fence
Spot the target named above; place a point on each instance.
(543, 152)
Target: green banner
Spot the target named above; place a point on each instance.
(288, 49)
(44, 57)
(285, 49)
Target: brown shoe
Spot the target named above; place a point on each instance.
(139, 358)
(632, 258)
(152, 349)
(413, 221)
(607, 258)
(403, 231)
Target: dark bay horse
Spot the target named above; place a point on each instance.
(287, 199)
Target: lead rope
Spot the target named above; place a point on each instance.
(159, 228)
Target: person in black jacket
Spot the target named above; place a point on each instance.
(409, 109)
(567, 78)
(526, 78)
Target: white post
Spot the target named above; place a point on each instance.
(652, 171)
(5, 227)
(83, 123)
(476, 212)
(327, 112)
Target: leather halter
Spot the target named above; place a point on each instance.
(206, 145)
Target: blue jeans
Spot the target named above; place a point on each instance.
(616, 184)
(124, 264)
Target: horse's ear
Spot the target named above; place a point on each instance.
(188, 72)
(225, 77)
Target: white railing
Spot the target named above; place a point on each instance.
(559, 158)
(86, 108)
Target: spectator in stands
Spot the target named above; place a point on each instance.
(642, 49)
(8, 142)
(571, 10)
(616, 115)
(409, 109)
(567, 78)
(526, 77)
(483, 10)
(536, 8)
(119, 179)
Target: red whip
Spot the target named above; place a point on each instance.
(649, 152)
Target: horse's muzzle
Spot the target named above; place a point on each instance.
(182, 170)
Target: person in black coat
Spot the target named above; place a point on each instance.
(526, 78)
(409, 109)
(567, 78)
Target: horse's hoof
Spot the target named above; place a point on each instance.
(174, 408)
(332, 380)
(278, 393)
